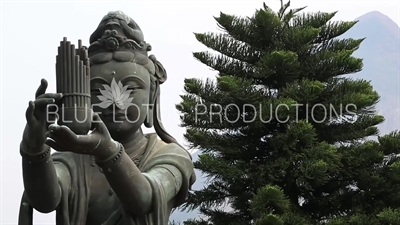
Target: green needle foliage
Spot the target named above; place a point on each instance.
(283, 129)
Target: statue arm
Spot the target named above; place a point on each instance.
(41, 179)
(136, 190)
(128, 183)
(169, 179)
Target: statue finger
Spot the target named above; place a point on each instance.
(42, 103)
(30, 117)
(54, 145)
(52, 113)
(55, 96)
(42, 88)
(86, 141)
(62, 134)
(98, 125)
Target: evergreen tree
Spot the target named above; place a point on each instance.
(283, 130)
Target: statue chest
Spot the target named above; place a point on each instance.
(103, 202)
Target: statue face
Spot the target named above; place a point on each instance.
(120, 93)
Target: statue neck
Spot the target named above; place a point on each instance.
(133, 142)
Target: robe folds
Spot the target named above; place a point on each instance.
(73, 206)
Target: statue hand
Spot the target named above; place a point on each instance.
(38, 118)
(98, 143)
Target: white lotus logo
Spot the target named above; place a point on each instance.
(115, 94)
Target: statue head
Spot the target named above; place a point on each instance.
(125, 81)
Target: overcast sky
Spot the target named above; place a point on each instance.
(31, 32)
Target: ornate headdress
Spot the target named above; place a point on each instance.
(120, 38)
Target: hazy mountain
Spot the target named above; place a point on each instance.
(381, 53)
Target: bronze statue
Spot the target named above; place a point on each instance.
(115, 175)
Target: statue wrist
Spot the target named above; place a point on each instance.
(30, 141)
(35, 156)
(114, 153)
(32, 149)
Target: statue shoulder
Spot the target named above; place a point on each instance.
(159, 147)
(171, 154)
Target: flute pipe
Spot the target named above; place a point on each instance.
(57, 74)
(87, 102)
(69, 74)
(83, 76)
(58, 71)
(87, 63)
(73, 75)
(78, 102)
(81, 83)
(76, 76)
(84, 84)
(87, 87)
(88, 77)
(66, 75)
(80, 53)
(64, 71)
(84, 71)
(79, 79)
(77, 52)
(71, 50)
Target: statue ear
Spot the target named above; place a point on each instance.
(150, 117)
(160, 72)
(154, 92)
(160, 76)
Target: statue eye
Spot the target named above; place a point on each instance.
(133, 86)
